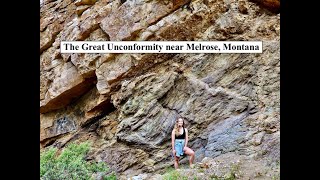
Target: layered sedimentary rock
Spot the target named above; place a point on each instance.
(126, 104)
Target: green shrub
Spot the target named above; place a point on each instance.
(70, 164)
(173, 174)
(110, 177)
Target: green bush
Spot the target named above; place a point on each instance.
(70, 164)
(110, 177)
(173, 174)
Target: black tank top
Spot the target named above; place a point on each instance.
(182, 136)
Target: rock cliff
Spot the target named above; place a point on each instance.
(126, 104)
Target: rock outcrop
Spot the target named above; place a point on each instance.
(126, 104)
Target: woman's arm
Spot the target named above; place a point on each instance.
(173, 136)
(187, 138)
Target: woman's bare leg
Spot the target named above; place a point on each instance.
(176, 162)
(189, 152)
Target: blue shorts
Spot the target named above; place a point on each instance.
(178, 146)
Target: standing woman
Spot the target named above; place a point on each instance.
(180, 139)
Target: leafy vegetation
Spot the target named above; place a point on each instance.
(173, 174)
(70, 164)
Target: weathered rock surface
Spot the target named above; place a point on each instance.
(126, 104)
(226, 166)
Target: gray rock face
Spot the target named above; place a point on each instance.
(126, 104)
(143, 119)
(62, 126)
(226, 136)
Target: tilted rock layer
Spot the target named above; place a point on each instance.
(126, 104)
